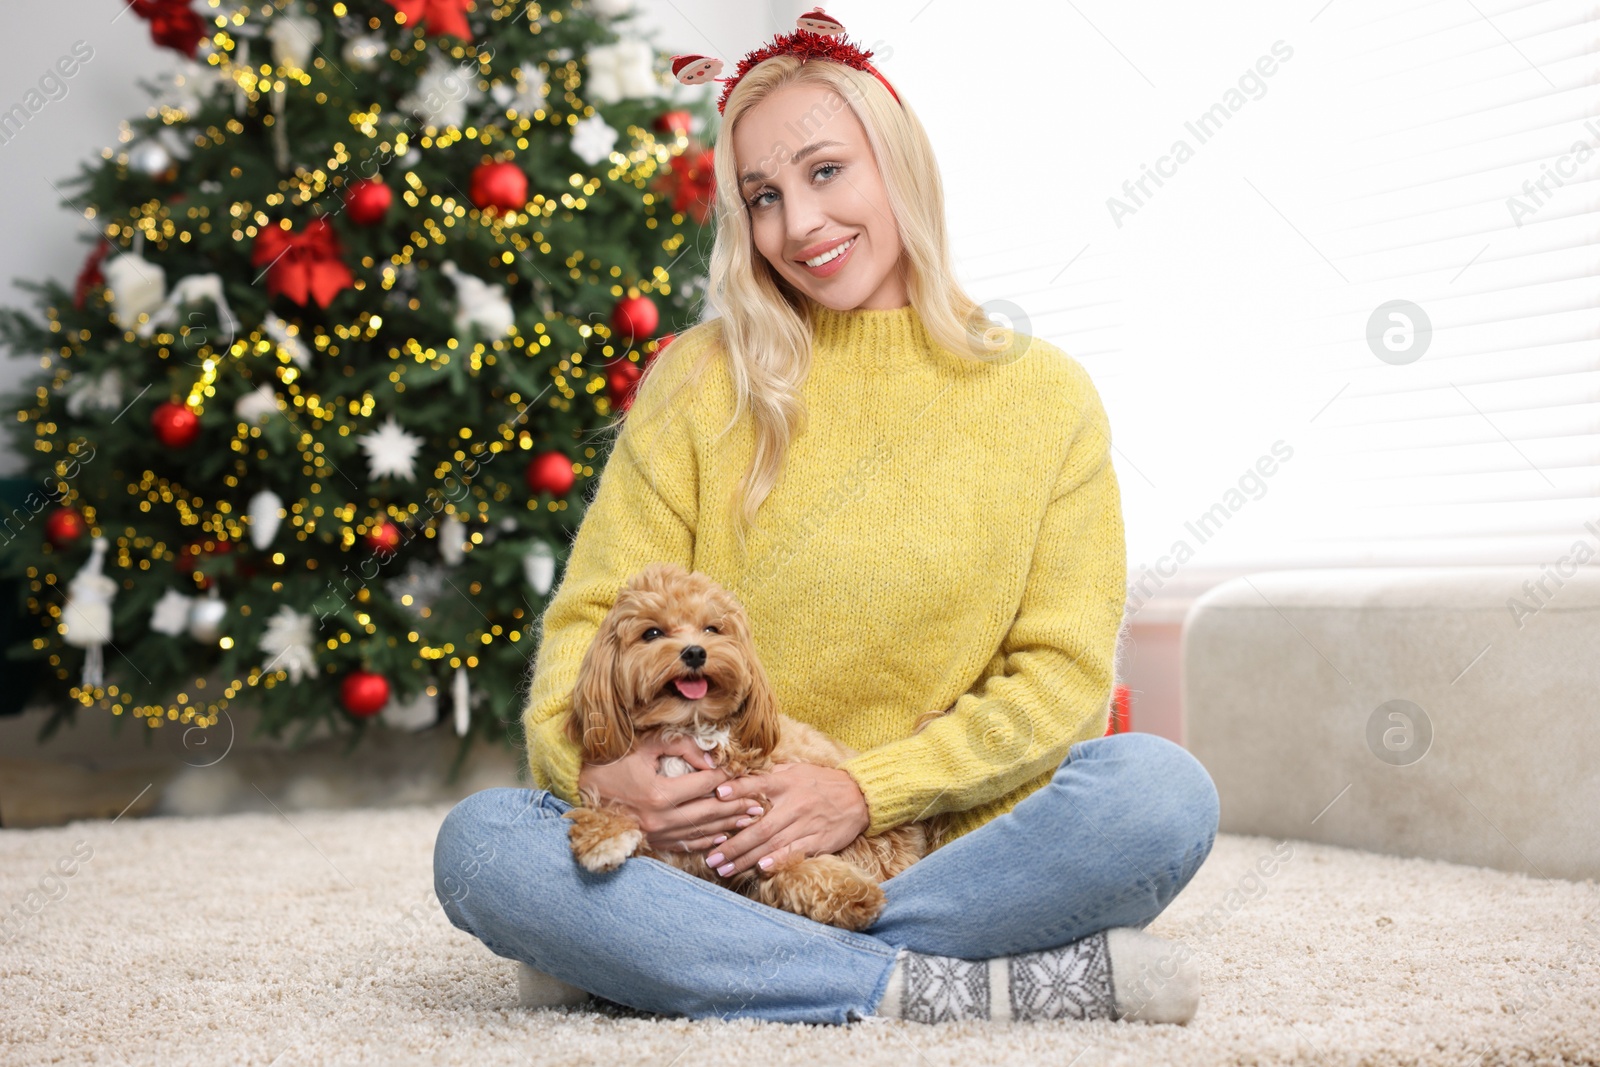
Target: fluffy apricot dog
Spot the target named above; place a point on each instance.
(675, 655)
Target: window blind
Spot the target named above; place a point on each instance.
(1462, 426)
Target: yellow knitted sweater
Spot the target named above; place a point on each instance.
(943, 532)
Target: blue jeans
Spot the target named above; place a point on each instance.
(1121, 827)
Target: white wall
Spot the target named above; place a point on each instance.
(43, 239)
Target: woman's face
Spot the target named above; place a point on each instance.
(810, 184)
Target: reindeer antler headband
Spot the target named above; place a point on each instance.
(817, 35)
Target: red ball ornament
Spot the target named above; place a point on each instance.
(499, 185)
(673, 122)
(384, 537)
(175, 424)
(622, 380)
(64, 526)
(364, 692)
(635, 317)
(551, 472)
(663, 341)
(367, 201)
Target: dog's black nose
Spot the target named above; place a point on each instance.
(694, 657)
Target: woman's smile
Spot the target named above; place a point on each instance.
(830, 261)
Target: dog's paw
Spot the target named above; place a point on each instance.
(824, 889)
(856, 909)
(601, 841)
(608, 854)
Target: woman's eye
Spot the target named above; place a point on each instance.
(647, 635)
(757, 201)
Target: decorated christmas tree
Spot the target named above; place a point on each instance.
(315, 427)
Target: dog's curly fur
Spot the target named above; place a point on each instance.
(666, 620)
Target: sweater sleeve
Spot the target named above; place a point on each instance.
(1058, 655)
(645, 510)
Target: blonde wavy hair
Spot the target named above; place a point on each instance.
(766, 324)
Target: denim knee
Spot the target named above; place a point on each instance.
(1193, 809)
(470, 838)
(1182, 809)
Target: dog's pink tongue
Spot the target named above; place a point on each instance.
(691, 688)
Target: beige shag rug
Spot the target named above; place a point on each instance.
(313, 937)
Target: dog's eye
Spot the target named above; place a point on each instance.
(646, 636)
(713, 629)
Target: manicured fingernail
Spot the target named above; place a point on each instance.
(725, 870)
(713, 859)
(755, 809)
(719, 839)
(723, 791)
(742, 823)
(766, 861)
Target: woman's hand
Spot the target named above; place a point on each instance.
(815, 811)
(677, 814)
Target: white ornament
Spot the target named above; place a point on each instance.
(257, 406)
(137, 287)
(288, 641)
(621, 71)
(461, 697)
(149, 158)
(418, 713)
(100, 392)
(277, 329)
(206, 616)
(192, 290)
(391, 452)
(294, 38)
(86, 618)
(264, 518)
(241, 62)
(363, 52)
(526, 94)
(592, 139)
(422, 583)
(480, 306)
(174, 142)
(189, 85)
(443, 93)
(452, 534)
(539, 567)
(170, 616)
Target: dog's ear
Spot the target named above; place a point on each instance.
(757, 726)
(598, 723)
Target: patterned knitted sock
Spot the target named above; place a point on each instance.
(1106, 975)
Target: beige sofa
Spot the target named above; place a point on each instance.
(1447, 713)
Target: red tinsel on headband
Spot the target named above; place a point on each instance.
(804, 45)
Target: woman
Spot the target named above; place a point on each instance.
(940, 526)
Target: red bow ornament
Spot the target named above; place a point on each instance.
(173, 24)
(302, 265)
(437, 16)
(691, 183)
